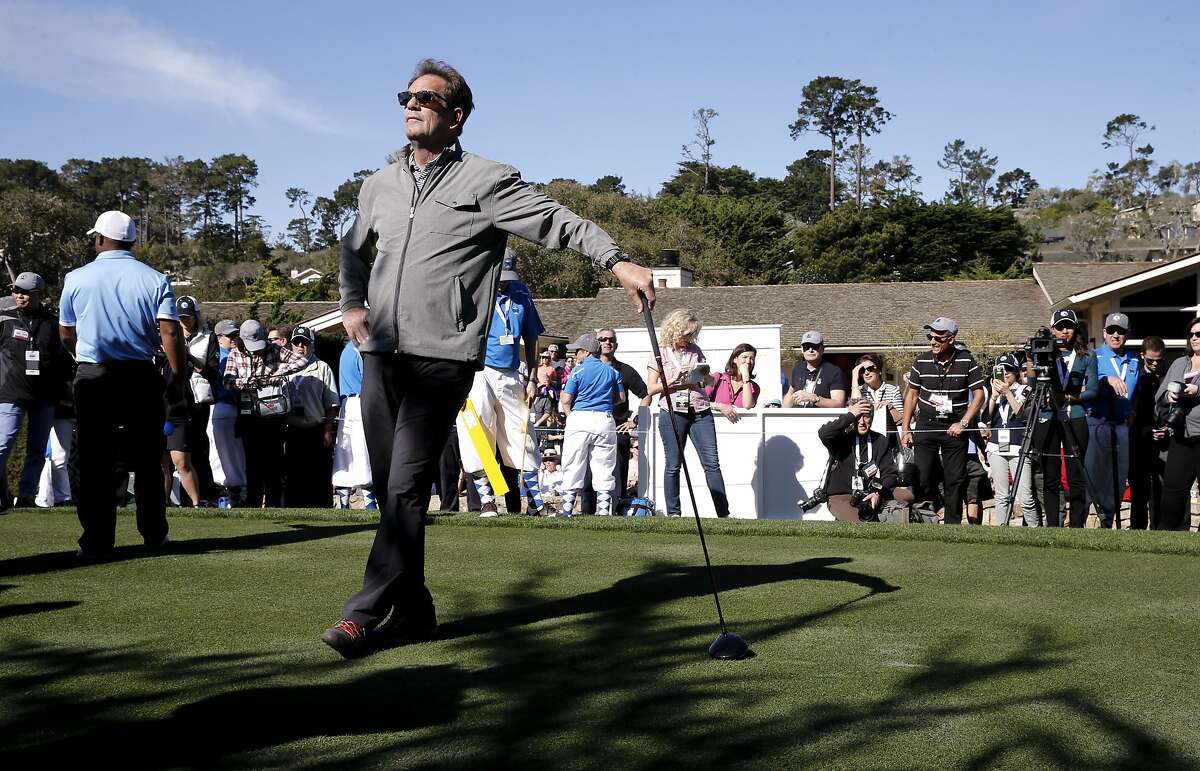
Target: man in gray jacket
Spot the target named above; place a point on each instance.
(439, 219)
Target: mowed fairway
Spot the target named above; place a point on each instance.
(582, 644)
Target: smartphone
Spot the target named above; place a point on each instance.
(698, 374)
(998, 372)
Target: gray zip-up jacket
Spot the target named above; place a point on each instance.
(433, 283)
(1188, 424)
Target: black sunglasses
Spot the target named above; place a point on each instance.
(939, 338)
(1114, 331)
(1193, 334)
(810, 347)
(424, 98)
(606, 339)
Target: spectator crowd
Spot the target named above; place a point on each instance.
(252, 417)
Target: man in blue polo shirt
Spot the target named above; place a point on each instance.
(590, 438)
(1107, 458)
(113, 315)
(498, 392)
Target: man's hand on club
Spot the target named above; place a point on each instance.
(637, 281)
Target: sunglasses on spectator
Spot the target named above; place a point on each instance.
(938, 338)
(1149, 360)
(424, 98)
(810, 347)
(870, 368)
(606, 339)
(1114, 331)
(1193, 334)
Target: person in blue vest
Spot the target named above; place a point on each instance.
(498, 392)
(591, 392)
(1108, 418)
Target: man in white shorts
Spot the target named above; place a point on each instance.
(591, 434)
(498, 392)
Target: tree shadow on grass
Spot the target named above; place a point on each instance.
(606, 679)
(659, 585)
(294, 533)
(33, 608)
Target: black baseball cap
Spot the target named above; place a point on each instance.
(188, 306)
(303, 333)
(1064, 316)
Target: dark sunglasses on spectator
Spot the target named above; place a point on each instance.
(1114, 331)
(810, 347)
(1148, 360)
(870, 368)
(606, 339)
(424, 98)
(938, 338)
(1193, 334)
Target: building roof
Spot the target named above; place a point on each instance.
(1060, 280)
(859, 316)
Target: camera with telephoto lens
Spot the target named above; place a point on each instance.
(858, 497)
(813, 502)
(1041, 349)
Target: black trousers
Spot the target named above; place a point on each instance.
(1146, 467)
(1049, 438)
(408, 405)
(1183, 468)
(119, 410)
(927, 447)
(449, 473)
(308, 475)
(198, 438)
(262, 439)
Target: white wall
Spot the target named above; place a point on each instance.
(770, 459)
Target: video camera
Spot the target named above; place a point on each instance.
(1041, 349)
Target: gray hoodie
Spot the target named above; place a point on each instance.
(432, 285)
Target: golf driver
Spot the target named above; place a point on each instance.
(728, 645)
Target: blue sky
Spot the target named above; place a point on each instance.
(574, 90)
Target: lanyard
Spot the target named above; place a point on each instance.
(859, 445)
(1004, 411)
(502, 311)
(1121, 371)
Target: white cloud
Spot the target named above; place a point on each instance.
(106, 53)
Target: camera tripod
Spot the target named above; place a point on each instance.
(1044, 395)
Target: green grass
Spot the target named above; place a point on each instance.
(582, 644)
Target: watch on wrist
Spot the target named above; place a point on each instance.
(611, 261)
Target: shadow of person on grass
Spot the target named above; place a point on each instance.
(292, 533)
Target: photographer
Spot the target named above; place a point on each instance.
(1074, 382)
(1006, 418)
(946, 393)
(867, 380)
(1178, 396)
(862, 472)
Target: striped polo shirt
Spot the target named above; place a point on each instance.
(952, 383)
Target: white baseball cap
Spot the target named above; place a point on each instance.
(116, 225)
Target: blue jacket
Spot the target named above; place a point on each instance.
(1107, 405)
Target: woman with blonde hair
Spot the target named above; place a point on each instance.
(684, 394)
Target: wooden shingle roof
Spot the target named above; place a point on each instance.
(850, 315)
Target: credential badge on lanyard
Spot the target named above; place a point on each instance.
(502, 311)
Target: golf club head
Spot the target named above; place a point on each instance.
(729, 647)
